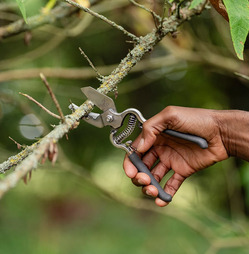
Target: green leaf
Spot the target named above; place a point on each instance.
(195, 3)
(238, 13)
(22, 8)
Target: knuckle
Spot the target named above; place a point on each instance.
(171, 111)
(149, 130)
(172, 116)
(157, 177)
(146, 126)
(171, 189)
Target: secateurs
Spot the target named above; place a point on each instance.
(110, 117)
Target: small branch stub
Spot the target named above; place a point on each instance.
(19, 146)
(53, 96)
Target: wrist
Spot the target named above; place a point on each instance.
(234, 131)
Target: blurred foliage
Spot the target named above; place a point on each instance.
(85, 203)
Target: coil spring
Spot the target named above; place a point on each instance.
(128, 130)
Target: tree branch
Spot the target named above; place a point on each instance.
(203, 57)
(80, 73)
(59, 12)
(145, 45)
(16, 159)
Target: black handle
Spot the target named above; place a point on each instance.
(141, 167)
(198, 140)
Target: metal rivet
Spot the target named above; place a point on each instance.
(109, 118)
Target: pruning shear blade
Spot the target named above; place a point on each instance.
(102, 101)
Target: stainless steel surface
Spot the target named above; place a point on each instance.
(100, 100)
(110, 117)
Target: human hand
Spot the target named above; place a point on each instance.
(183, 157)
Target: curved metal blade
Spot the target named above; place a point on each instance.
(100, 100)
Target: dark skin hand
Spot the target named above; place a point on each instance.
(219, 128)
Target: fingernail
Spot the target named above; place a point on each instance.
(148, 193)
(140, 145)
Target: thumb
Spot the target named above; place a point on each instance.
(154, 126)
(146, 141)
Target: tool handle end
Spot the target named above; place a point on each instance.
(141, 167)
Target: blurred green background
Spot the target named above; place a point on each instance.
(85, 203)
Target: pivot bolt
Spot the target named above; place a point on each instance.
(109, 118)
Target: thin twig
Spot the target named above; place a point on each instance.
(154, 15)
(164, 12)
(112, 23)
(62, 117)
(40, 105)
(179, 9)
(19, 146)
(90, 63)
